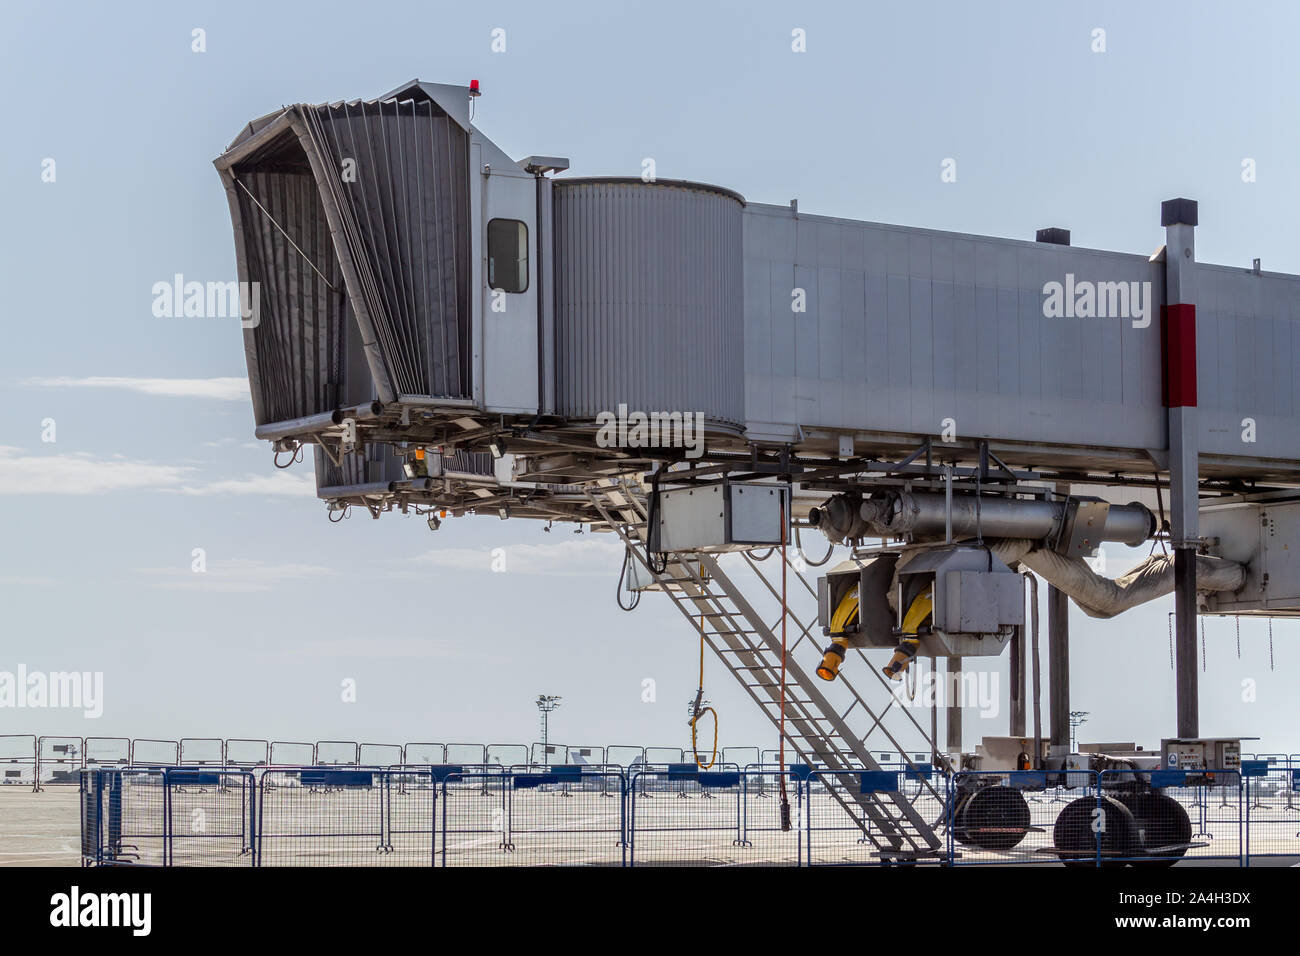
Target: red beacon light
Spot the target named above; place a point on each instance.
(473, 88)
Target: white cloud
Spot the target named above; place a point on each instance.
(234, 575)
(222, 389)
(585, 555)
(273, 483)
(80, 473)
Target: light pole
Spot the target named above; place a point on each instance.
(546, 703)
(1077, 717)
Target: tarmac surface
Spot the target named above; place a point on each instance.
(305, 827)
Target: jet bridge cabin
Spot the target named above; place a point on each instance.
(413, 278)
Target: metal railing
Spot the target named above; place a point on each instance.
(671, 815)
(149, 752)
(1272, 812)
(59, 760)
(107, 752)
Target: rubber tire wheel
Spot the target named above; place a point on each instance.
(1160, 820)
(958, 831)
(1072, 833)
(994, 818)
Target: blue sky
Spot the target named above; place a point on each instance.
(99, 526)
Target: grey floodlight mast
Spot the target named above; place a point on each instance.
(546, 704)
(1077, 719)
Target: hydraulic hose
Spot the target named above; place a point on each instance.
(618, 591)
(699, 711)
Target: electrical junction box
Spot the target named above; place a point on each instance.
(720, 517)
(982, 602)
(1078, 769)
(1201, 753)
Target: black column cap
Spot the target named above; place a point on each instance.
(1175, 212)
(1054, 235)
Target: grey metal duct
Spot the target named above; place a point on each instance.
(1096, 595)
(1034, 533)
(923, 513)
(1102, 597)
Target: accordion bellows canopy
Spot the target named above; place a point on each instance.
(352, 219)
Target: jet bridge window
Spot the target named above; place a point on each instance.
(507, 241)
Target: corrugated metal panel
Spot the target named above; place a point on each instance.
(375, 463)
(1247, 347)
(296, 350)
(906, 327)
(392, 180)
(409, 205)
(648, 299)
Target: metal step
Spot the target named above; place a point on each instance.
(751, 649)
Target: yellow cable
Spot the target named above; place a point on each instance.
(702, 711)
(713, 759)
(909, 640)
(918, 612)
(847, 611)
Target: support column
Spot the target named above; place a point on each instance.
(1178, 350)
(1058, 670)
(1058, 663)
(953, 739)
(1017, 668)
(934, 712)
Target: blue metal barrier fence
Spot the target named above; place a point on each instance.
(678, 815)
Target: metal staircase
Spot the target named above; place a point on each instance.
(818, 732)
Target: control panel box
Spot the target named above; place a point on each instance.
(1201, 753)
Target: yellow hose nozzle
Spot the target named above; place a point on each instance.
(832, 657)
(903, 655)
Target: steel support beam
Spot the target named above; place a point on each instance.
(1178, 351)
(953, 739)
(1058, 663)
(1017, 668)
(1188, 682)
(1058, 670)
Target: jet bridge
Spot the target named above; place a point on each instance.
(457, 332)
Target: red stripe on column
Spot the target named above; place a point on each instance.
(1178, 347)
